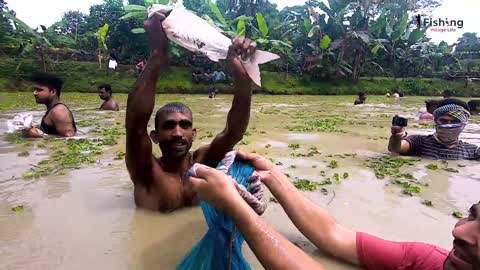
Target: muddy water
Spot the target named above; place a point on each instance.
(87, 218)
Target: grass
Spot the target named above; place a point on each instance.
(86, 76)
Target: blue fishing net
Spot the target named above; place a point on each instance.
(214, 252)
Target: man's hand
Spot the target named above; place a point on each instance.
(240, 50)
(32, 133)
(264, 167)
(156, 34)
(397, 144)
(398, 132)
(214, 186)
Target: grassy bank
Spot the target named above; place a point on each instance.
(86, 76)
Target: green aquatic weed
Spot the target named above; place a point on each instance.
(427, 203)
(306, 185)
(326, 182)
(457, 214)
(432, 166)
(15, 138)
(294, 146)
(336, 178)
(120, 155)
(18, 208)
(452, 170)
(390, 167)
(410, 189)
(323, 125)
(333, 164)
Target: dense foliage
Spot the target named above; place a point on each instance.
(332, 39)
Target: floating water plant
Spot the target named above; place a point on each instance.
(323, 125)
(432, 166)
(333, 164)
(306, 185)
(457, 214)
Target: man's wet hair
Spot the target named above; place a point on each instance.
(448, 93)
(107, 88)
(173, 107)
(454, 101)
(49, 80)
(474, 104)
(432, 104)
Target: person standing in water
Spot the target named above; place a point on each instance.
(58, 120)
(450, 118)
(159, 183)
(361, 99)
(105, 93)
(448, 94)
(274, 251)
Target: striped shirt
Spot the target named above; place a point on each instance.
(428, 146)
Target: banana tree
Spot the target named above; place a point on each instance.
(102, 42)
(30, 39)
(261, 35)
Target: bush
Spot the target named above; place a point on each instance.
(87, 76)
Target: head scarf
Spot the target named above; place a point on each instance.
(448, 134)
(452, 110)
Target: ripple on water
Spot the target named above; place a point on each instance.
(302, 136)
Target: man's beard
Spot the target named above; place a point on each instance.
(40, 101)
(176, 148)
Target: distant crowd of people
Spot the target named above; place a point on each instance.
(426, 113)
(207, 76)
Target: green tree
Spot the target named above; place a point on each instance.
(72, 24)
(468, 46)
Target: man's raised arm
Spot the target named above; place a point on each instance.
(141, 102)
(239, 114)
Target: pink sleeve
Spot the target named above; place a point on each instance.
(378, 254)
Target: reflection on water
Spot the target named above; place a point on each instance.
(87, 216)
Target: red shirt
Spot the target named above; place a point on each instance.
(378, 254)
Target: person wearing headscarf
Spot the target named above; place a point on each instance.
(450, 118)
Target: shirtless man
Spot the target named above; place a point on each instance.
(105, 93)
(159, 183)
(58, 120)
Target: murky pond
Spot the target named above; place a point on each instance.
(80, 213)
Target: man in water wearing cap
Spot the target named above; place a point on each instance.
(275, 251)
(159, 183)
(450, 118)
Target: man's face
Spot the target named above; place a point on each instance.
(43, 94)
(465, 254)
(104, 95)
(175, 134)
(443, 120)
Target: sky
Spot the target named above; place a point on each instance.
(46, 12)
